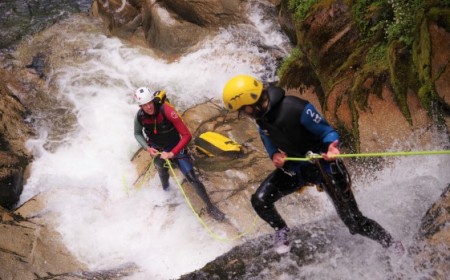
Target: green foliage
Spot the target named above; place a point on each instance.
(403, 25)
(396, 20)
(426, 94)
(295, 55)
(377, 56)
(392, 19)
(371, 17)
(301, 7)
(393, 49)
(401, 75)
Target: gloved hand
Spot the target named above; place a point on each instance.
(332, 151)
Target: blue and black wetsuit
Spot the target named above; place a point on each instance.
(293, 126)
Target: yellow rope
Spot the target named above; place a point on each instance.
(202, 222)
(137, 184)
(144, 179)
(383, 154)
(124, 182)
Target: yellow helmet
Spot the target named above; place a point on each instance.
(241, 90)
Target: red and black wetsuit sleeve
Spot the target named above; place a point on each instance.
(172, 116)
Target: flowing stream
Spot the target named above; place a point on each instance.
(85, 142)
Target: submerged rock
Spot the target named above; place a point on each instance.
(37, 65)
(256, 259)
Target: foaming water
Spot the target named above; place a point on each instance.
(397, 196)
(84, 174)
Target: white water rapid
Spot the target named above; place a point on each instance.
(82, 172)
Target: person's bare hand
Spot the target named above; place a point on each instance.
(278, 159)
(332, 152)
(153, 152)
(167, 155)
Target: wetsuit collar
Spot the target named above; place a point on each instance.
(275, 95)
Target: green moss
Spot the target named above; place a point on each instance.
(287, 62)
(403, 25)
(441, 16)
(371, 17)
(421, 54)
(373, 71)
(348, 136)
(377, 57)
(394, 49)
(399, 71)
(301, 8)
(297, 71)
(358, 94)
(426, 94)
(353, 61)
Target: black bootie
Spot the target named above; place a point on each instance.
(201, 191)
(163, 174)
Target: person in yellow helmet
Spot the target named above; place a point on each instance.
(291, 127)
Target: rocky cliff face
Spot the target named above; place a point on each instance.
(14, 157)
(360, 75)
(171, 27)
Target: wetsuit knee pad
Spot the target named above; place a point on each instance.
(257, 201)
(266, 194)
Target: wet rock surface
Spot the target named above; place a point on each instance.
(14, 157)
(22, 18)
(170, 26)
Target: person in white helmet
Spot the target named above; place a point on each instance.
(159, 130)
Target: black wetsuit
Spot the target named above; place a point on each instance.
(293, 126)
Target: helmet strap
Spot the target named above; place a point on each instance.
(260, 107)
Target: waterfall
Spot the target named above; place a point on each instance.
(85, 141)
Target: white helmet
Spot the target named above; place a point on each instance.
(143, 95)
